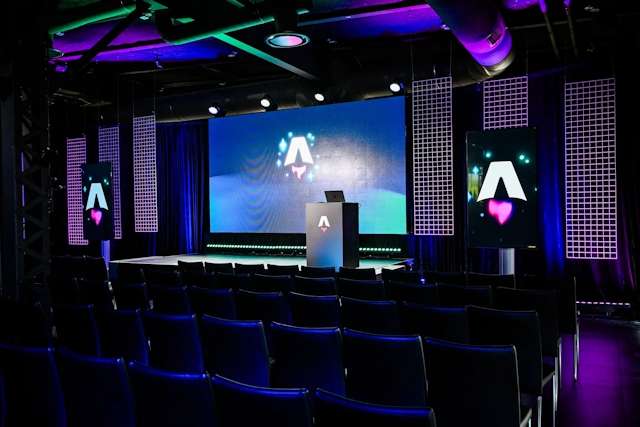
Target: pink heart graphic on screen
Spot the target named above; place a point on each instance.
(324, 229)
(96, 215)
(500, 210)
(299, 170)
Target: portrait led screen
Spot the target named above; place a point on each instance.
(264, 168)
(502, 208)
(97, 201)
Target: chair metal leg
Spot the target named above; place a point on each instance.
(559, 367)
(576, 352)
(556, 383)
(539, 410)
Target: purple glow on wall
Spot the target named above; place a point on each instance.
(520, 4)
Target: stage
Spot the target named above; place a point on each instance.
(167, 262)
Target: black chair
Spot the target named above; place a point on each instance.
(414, 293)
(212, 302)
(282, 270)
(96, 391)
(309, 358)
(241, 268)
(234, 281)
(174, 342)
(458, 296)
(372, 290)
(441, 323)
(494, 280)
(568, 323)
(376, 317)
(163, 277)
(192, 266)
(451, 278)
(24, 324)
(130, 273)
(266, 306)
(357, 273)
(317, 272)
(400, 275)
(122, 334)
(169, 299)
(63, 267)
(236, 349)
(76, 328)
(33, 392)
(385, 369)
(95, 269)
(522, 330)
(201, 280)
(130, 295)
(175, 399)
(315, 285)
(313, 311)
(474, 385)
(95, 292)
(64, 290)
(242, 405)
(335, 410)
(219, 267)
(267, 283)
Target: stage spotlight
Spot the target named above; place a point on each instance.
(268, 103)
(396, 86)
(286, 20)
(216, 110)
(319, 97)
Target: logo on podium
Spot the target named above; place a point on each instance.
(324, 223)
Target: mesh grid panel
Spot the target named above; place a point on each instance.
(76, 156)
(144, 174)
(109, 151)
(432, 157)
(590, 165)
(505, 103)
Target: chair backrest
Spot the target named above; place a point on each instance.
(241, 268)
(312, 311)
(170, 398)
(218, 267)
(96, 292)
(450, 278)
(506, 327)
(458, 296)
(282, 270)
(95, 268)
(201, 280)
(385, 369)
(32, 385)
(236, 349)
(315, 285)
(565, 288)
(64, 290)
(162, 277)
(335, 410)
(192, 266)
(24, 324)
(213, 302)
(76, 328)
(3, 409)
(542, 302)
(269, 407)
(266, 306)
(357, 273)
(401, 275)
(174, 342)
(234, 281)
(317, 272)
(130, 295)
(267, 283)
(130, 273)
(441, 323)
(401, 292)
(122, 334)
(68, 266)
(169, 299)
(95, 388)
(371, 290)
(308, 358)
(473, 385)
(376, 317)
(494, 280)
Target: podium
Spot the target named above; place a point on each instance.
(332, 235)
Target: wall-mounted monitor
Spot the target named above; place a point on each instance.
(264, 168)
(502, 201)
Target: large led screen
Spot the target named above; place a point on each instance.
(502, 208)
(264, 168)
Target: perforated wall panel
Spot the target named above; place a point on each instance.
(76, 156)
(505, 103)
(144, 174)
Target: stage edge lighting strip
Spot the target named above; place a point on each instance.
(145, 191)
(432, 157)
(109, 151)
(76, 156)
(505, 103)
(590, 168)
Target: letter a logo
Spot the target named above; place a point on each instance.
(324, 223)
(96, 191)
(298, 145)
(501, 170)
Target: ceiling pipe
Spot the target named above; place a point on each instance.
(572, 33)
(554, 45)
(69, 19)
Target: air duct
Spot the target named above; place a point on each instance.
(70, 19)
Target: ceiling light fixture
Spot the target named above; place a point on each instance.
(268, 103)
(286, 39)
(396, 86)
(319, 97)
(216, 110)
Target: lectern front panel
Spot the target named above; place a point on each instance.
(332, 234)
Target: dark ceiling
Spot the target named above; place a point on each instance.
(187, 53)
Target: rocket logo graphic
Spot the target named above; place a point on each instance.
(297, 160)
(505, 171)
(324, 223)
(96, 194)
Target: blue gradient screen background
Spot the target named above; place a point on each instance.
(357, 147)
